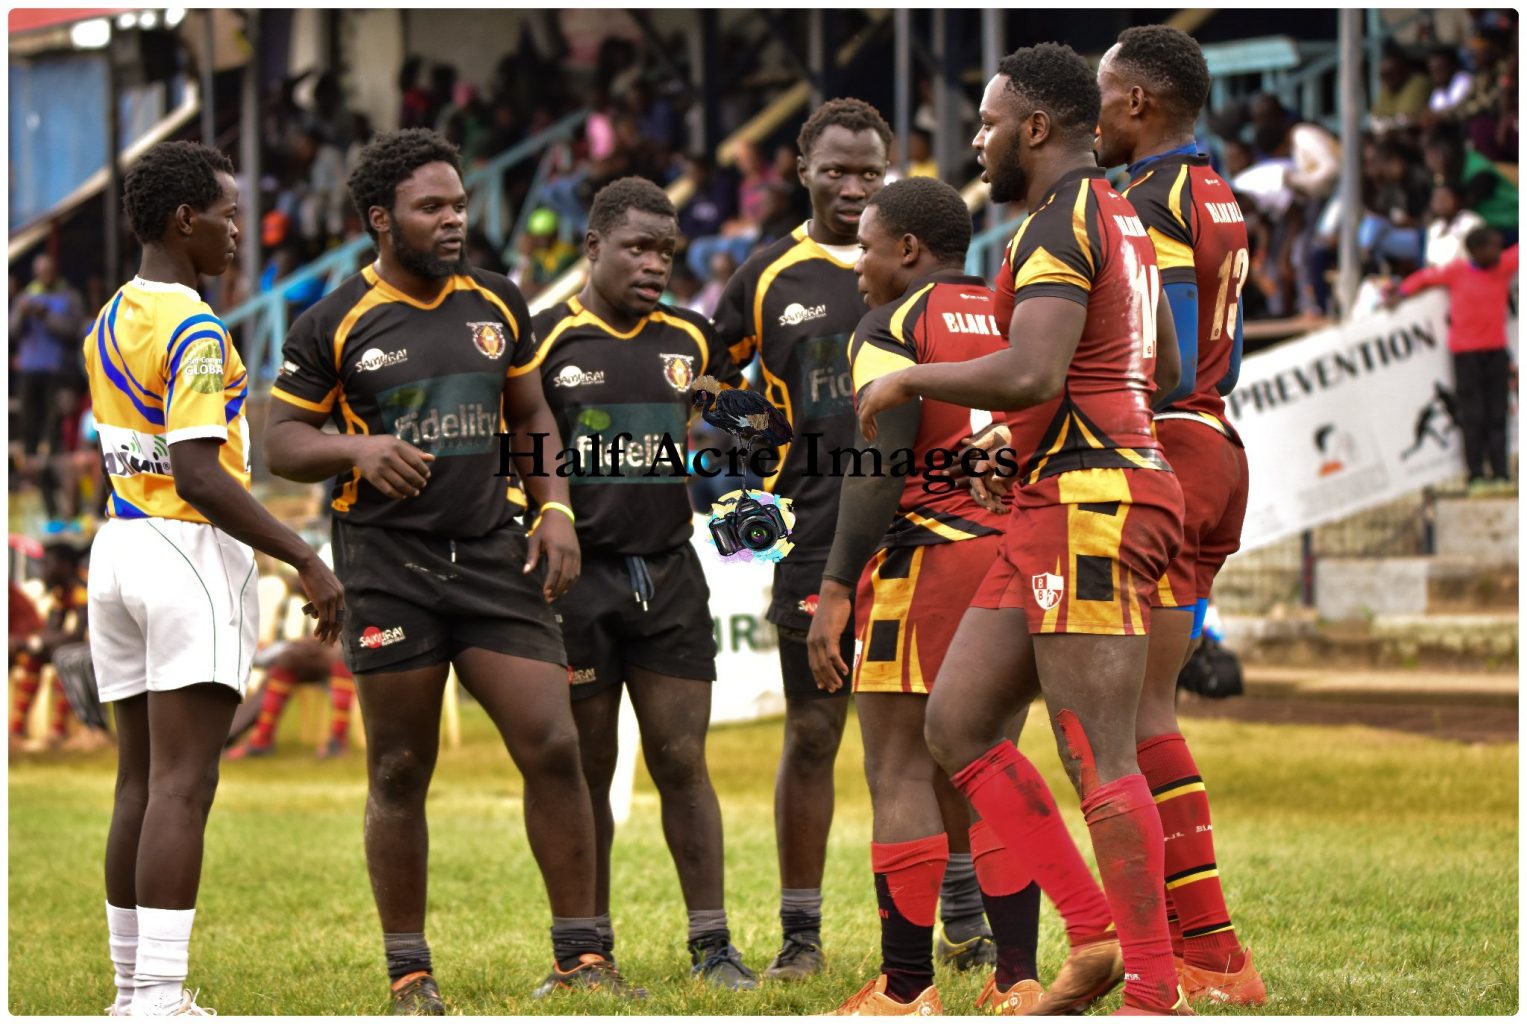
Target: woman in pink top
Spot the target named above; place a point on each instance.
(1478, 286)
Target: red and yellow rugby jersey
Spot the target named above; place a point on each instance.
(946, 317)
(1085, 243)
(162, 369)
(1195, 223)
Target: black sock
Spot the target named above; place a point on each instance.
(407, 952)
(1015, 925)
(906, 949)
(606, 932)
(800, 910)
(571, 937)
(959, 899)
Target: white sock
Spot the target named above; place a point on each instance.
(122, 933)
(164, 941)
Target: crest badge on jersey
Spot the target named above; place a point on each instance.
(489, 338)
(1047, 589)
(678, 370)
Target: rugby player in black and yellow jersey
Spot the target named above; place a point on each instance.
(617, 367)
(418, 361)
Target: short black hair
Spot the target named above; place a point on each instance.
(1171, 62)
(1479, 236)
(64, 552)
(1054, 78)
(622, 194)
(388, 160)
(168, 175)
(929, 209)
(855, 115)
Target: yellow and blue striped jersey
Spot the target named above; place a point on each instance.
(162, 369)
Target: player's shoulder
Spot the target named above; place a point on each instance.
(496, 284)
(546, 320)
(876, 323)
(766, 256)
(326, 314)
(167, 306)
(681, 315)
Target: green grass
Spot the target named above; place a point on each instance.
(1372, 873)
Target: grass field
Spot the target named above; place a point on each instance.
(1372, 873)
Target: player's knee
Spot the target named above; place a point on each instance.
(947, 740)
(190, 791)
(811, 740)
(598, 764)
(400, 776)
(677, 765)
(554, 753)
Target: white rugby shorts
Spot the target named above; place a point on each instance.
(172, 604)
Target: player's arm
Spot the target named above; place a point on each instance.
(735, 326)
(1169, 356)
(1013, 379)
(297, 448)
(202, 483)
(1237, 347)
(1426, 277)
(866, 506)
(527, 415)
(1182, 308)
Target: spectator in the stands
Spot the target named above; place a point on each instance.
(1486, 190)
(543, 254)
(1403, 92)
(1478, 288)
(722, 266)
(1450, 82)
(414, 99)
(920, 161)
(1450, 224)
(1314, 165)
(1391, 228)
(47, 325)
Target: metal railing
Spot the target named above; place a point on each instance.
(985, 252)
(265, 316)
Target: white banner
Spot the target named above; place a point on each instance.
(1347, 418)
(748, 684)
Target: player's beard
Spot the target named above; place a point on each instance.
(1009, 183)
(423, 262)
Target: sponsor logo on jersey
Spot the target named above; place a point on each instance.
(423, 427)
(1047, 589)
(795, 313)
(376, 359)
(374, 638)
(287, 368)
(678, 370)
(808, 604)
(489, 338)
(202, 366)
(572, 377)
(127, 452)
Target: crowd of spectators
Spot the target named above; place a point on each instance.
(1439, 157)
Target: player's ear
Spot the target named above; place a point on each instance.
(800, 169)
(1136, 100)
(1037, 129)
(911, 248)
(380, 220)
(185, 218)
(591, 246)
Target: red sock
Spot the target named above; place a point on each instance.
(907, 880)
(341, 696)
(61, 711)
(278, 687)
(1173, 923)
(1192, 877)
(1011, 796)
(1011, 898)
(1126, 838)
(27, 677)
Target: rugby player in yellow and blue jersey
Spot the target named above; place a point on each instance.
(173, 612)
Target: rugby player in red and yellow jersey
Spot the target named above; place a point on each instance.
(1096, 515)
(914, 545)
(1154, 82)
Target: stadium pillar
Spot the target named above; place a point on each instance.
(1350, 36)
(113, 219)
(821, 54)
(993, 41)
(208, 113)
(903, 122)
(249, 164)
(947, 94)
(704, 39)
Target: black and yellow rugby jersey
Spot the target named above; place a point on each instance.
(1196, 225)
(945, 317)
(795, 305)
(601, 383)
(432, 374)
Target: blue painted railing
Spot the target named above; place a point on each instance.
(265, 315)
(985, 252)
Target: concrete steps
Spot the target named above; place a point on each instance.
(1477, 642)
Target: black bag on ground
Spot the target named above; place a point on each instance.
(1212, 671)
(76, 674)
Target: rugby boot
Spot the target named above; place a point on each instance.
(592, 972)
(1090, 972)
(1019, 1001)
(417, 995)
(1179, 1009)
(721, 966)
(800, 957)
(871, 1001)
(1243, 988)
(977, 951)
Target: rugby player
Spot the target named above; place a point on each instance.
(1095, 518)
(616, 367)
(1154, 82)
(173, 610)
(419, 360)
(914, 547)
(794, 304)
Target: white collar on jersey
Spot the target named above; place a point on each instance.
(165, 286)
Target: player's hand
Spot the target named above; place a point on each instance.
(392, 465)
(880, 396)
(558, 541)
(991, 492)
(987, 440)
(827, 625)
(326, 597)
